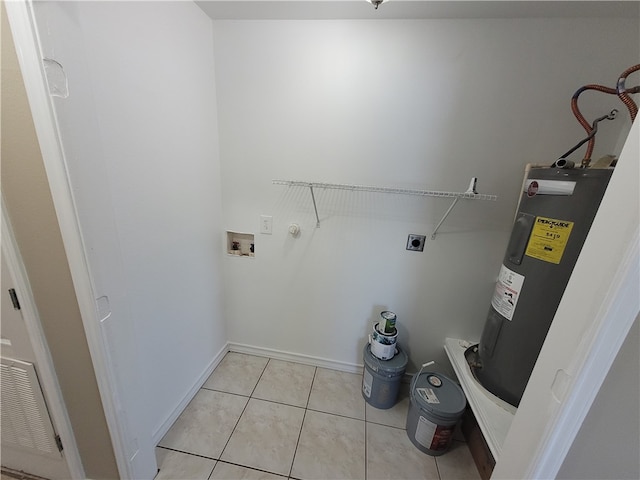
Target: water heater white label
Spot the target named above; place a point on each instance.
(507, 292)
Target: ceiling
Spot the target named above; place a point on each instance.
(413, 9)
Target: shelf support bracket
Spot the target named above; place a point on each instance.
(315, 207)
(470, 190)
(433, 235)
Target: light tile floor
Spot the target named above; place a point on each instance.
(257, 418)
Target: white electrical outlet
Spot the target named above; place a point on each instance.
(266, 224)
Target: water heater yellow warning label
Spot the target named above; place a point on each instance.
(548, 239)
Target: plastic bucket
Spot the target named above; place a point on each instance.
(436, 404)
(381, 379)
(383, 345)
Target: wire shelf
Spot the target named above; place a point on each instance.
(469, 194)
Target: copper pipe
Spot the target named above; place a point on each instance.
(594, 129)
(589, 129)
(574, 102)
(623, 93)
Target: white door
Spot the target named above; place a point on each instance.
(29, 438)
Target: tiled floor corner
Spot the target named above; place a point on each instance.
(264, 419)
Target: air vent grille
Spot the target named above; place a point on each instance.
(25, 419)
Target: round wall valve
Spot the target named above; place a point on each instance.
(294, 229)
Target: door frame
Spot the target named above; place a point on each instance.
(44, 362)
(25, 34)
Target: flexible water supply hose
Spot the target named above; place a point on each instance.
(562, 162)
(621, 91)
(585, 124)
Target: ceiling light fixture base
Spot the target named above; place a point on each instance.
(376, 3)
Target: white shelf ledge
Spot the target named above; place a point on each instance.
(494, 416)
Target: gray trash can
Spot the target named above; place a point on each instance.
(436, 404)
(381, 379)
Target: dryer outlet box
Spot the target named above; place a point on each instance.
(416, 242)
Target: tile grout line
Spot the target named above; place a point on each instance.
(242, 413)
(315, 371)
(224, 391)
(435, 460)
(171, 449)
(305, 408)
(337, 415)
(295, 451)
(252, 468)
(215, 464)
(260, 377)
(386, 425)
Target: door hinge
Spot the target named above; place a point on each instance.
(14, 298)
(59, 442)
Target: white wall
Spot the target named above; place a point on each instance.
(608, 443)
(140, 137)
(420, 104)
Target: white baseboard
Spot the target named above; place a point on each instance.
(164, 427)
(296, 357)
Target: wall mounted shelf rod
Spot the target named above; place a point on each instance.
(315, 207)
(470, 194)
(446, 214)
